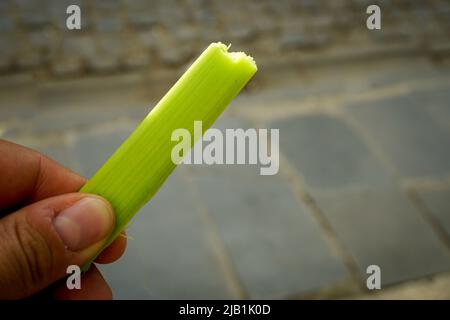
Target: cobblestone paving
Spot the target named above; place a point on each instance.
(166, 34)
(364, 123)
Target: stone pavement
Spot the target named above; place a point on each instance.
(165, 35)
(365, 151)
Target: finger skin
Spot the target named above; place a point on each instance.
(93, 287)
(32, 254)
(40, 178)
(27, 177)
(114, 251)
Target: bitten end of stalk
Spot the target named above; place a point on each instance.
(235, 56)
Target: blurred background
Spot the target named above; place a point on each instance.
(364, 119)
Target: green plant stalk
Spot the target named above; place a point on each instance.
(138, 168)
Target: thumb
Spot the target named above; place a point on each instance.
(39, 242)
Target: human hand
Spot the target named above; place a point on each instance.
(45, 226)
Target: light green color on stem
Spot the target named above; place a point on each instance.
(138, 168)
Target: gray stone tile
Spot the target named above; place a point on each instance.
(225, 122)
(17, 112)
(69, 118)
(141, 19)
(438, 202)
(298, 90)
(274, 243)
(18, 101)
(58, 12)
(382, 227)
(8, 49)
(7, 24)
(60, 120)
(58, 152)
(170, 255)
(80, 46)
(137, 59)
(437, 101)
(106, 6)
(121, 92)
(304, 41)
(128, 276)
(92, 149)
(328, 153)
(395, 73)
(408, 134)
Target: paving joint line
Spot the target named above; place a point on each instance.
(231, 275)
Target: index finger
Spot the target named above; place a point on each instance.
(27, 176)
